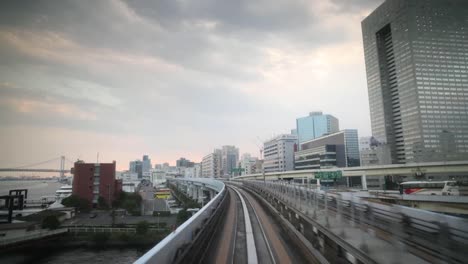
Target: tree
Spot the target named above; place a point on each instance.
(142, 227)
(182, 216)
(77, 202)
(51, 222)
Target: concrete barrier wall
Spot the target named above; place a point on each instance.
(174, 244)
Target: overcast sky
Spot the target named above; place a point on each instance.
(173, 78)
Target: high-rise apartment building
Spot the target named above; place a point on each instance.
(229, 160)
(211, 165)
(94, 180)
(315, 125)
(416, 55)
(278, 153)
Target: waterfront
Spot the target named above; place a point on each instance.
(36, 188)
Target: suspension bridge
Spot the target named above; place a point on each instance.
(41, 166)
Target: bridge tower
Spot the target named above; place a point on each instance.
(62, 167)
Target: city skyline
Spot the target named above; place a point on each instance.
(170, 80)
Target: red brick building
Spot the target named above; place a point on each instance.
(94, 180)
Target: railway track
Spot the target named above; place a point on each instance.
(250, 234)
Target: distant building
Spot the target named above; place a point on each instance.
(416, 58)
(374, 152)
(198, 170)
(128, 176)
(211, 165)
(257, 167)
(315, 125)
(279, 153)
(146, 164)
(166, 167)
(94, 180)
(340, 149)
(184, 163)
(136, 167)
(146, 176)
(247, 164)
(189, 172)
(229, 160)
(158, 177)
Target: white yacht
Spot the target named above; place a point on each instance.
(63, 192)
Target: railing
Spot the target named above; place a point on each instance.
(431, 235)
(176, 244)
(108, 229)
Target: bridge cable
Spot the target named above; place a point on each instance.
(36, 164)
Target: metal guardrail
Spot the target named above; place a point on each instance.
(178, 241)
(441, 237)
(92, 229)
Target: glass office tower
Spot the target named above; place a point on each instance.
(416, 55)
(315, 125)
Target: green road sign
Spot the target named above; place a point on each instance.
(237, 170)
(328, 175)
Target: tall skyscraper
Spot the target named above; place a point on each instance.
(146, 164)
(373, 152)
(136, 167)
(315, 125)
(416, 55)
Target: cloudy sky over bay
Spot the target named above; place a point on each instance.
(173, 78)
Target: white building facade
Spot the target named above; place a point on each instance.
(279, 153)
(211, 165)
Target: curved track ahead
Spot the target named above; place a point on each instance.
(267, 242)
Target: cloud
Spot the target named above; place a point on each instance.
(355, 5)
(44, 108)
(181, 76)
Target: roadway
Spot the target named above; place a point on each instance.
(251, 233)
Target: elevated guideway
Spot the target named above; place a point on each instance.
(252, 233)
(342, 226)
(233, 227)
(447, 168)
(251, 221)
(191, 239)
